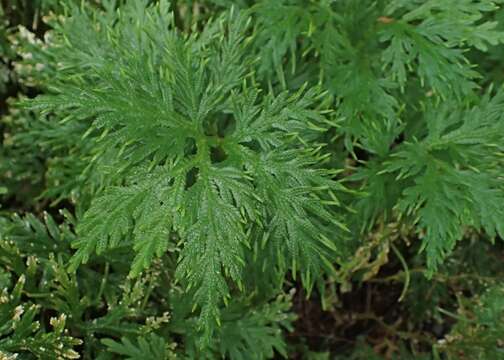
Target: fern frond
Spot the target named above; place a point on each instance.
(203, 156)
(149, 347)
(20, 332)
(453, 170)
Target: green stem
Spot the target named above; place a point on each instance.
(103, 282)
(406, 271)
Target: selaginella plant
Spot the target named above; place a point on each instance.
(213, 154)
(201, 159)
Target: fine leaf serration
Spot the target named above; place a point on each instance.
(206, 158)
(251, 179)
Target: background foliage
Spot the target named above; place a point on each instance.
(309, 179)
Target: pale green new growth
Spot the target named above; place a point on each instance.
(205, 158)
(214, 154)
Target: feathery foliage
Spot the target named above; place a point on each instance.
(170, 170)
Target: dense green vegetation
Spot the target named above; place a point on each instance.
(305, 179)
